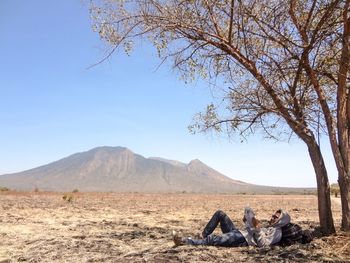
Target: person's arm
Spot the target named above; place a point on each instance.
(259, 237)
(267, 236)
(248, 217)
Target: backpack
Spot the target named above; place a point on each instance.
(293, 233)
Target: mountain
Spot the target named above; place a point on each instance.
(118, 169)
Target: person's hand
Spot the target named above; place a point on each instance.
(256, 223)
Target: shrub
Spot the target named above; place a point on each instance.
(67, 197)
(4, 189)
(335, 189)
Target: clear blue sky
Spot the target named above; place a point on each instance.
(52, 106)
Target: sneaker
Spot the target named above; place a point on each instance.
(178, 241)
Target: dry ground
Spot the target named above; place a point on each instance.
(95, 227)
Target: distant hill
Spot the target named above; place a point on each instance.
(118, 169)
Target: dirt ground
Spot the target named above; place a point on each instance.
(96, 227)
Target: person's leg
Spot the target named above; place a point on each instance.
(233, 238)
(218, 217)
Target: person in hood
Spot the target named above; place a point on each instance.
(252, 235)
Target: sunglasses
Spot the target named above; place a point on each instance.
(274, 216)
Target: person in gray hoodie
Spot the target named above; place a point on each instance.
(252, 235)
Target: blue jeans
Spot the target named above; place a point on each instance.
(231, 236)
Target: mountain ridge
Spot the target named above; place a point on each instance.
(118, 169)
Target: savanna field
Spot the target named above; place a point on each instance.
(114, 227)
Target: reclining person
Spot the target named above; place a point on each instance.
(252, 235)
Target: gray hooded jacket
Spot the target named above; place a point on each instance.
(264, 236)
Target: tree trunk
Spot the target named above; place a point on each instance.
(323, 189)
(343, 121)
(344, 185)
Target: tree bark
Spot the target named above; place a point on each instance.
(344, 185)
(323, 189)
(343, 116)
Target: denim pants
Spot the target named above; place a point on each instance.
(230, 237)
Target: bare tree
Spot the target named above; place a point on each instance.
(283, 66)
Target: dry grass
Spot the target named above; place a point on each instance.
(96, 227)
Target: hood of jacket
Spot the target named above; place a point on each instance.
(283, 219)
